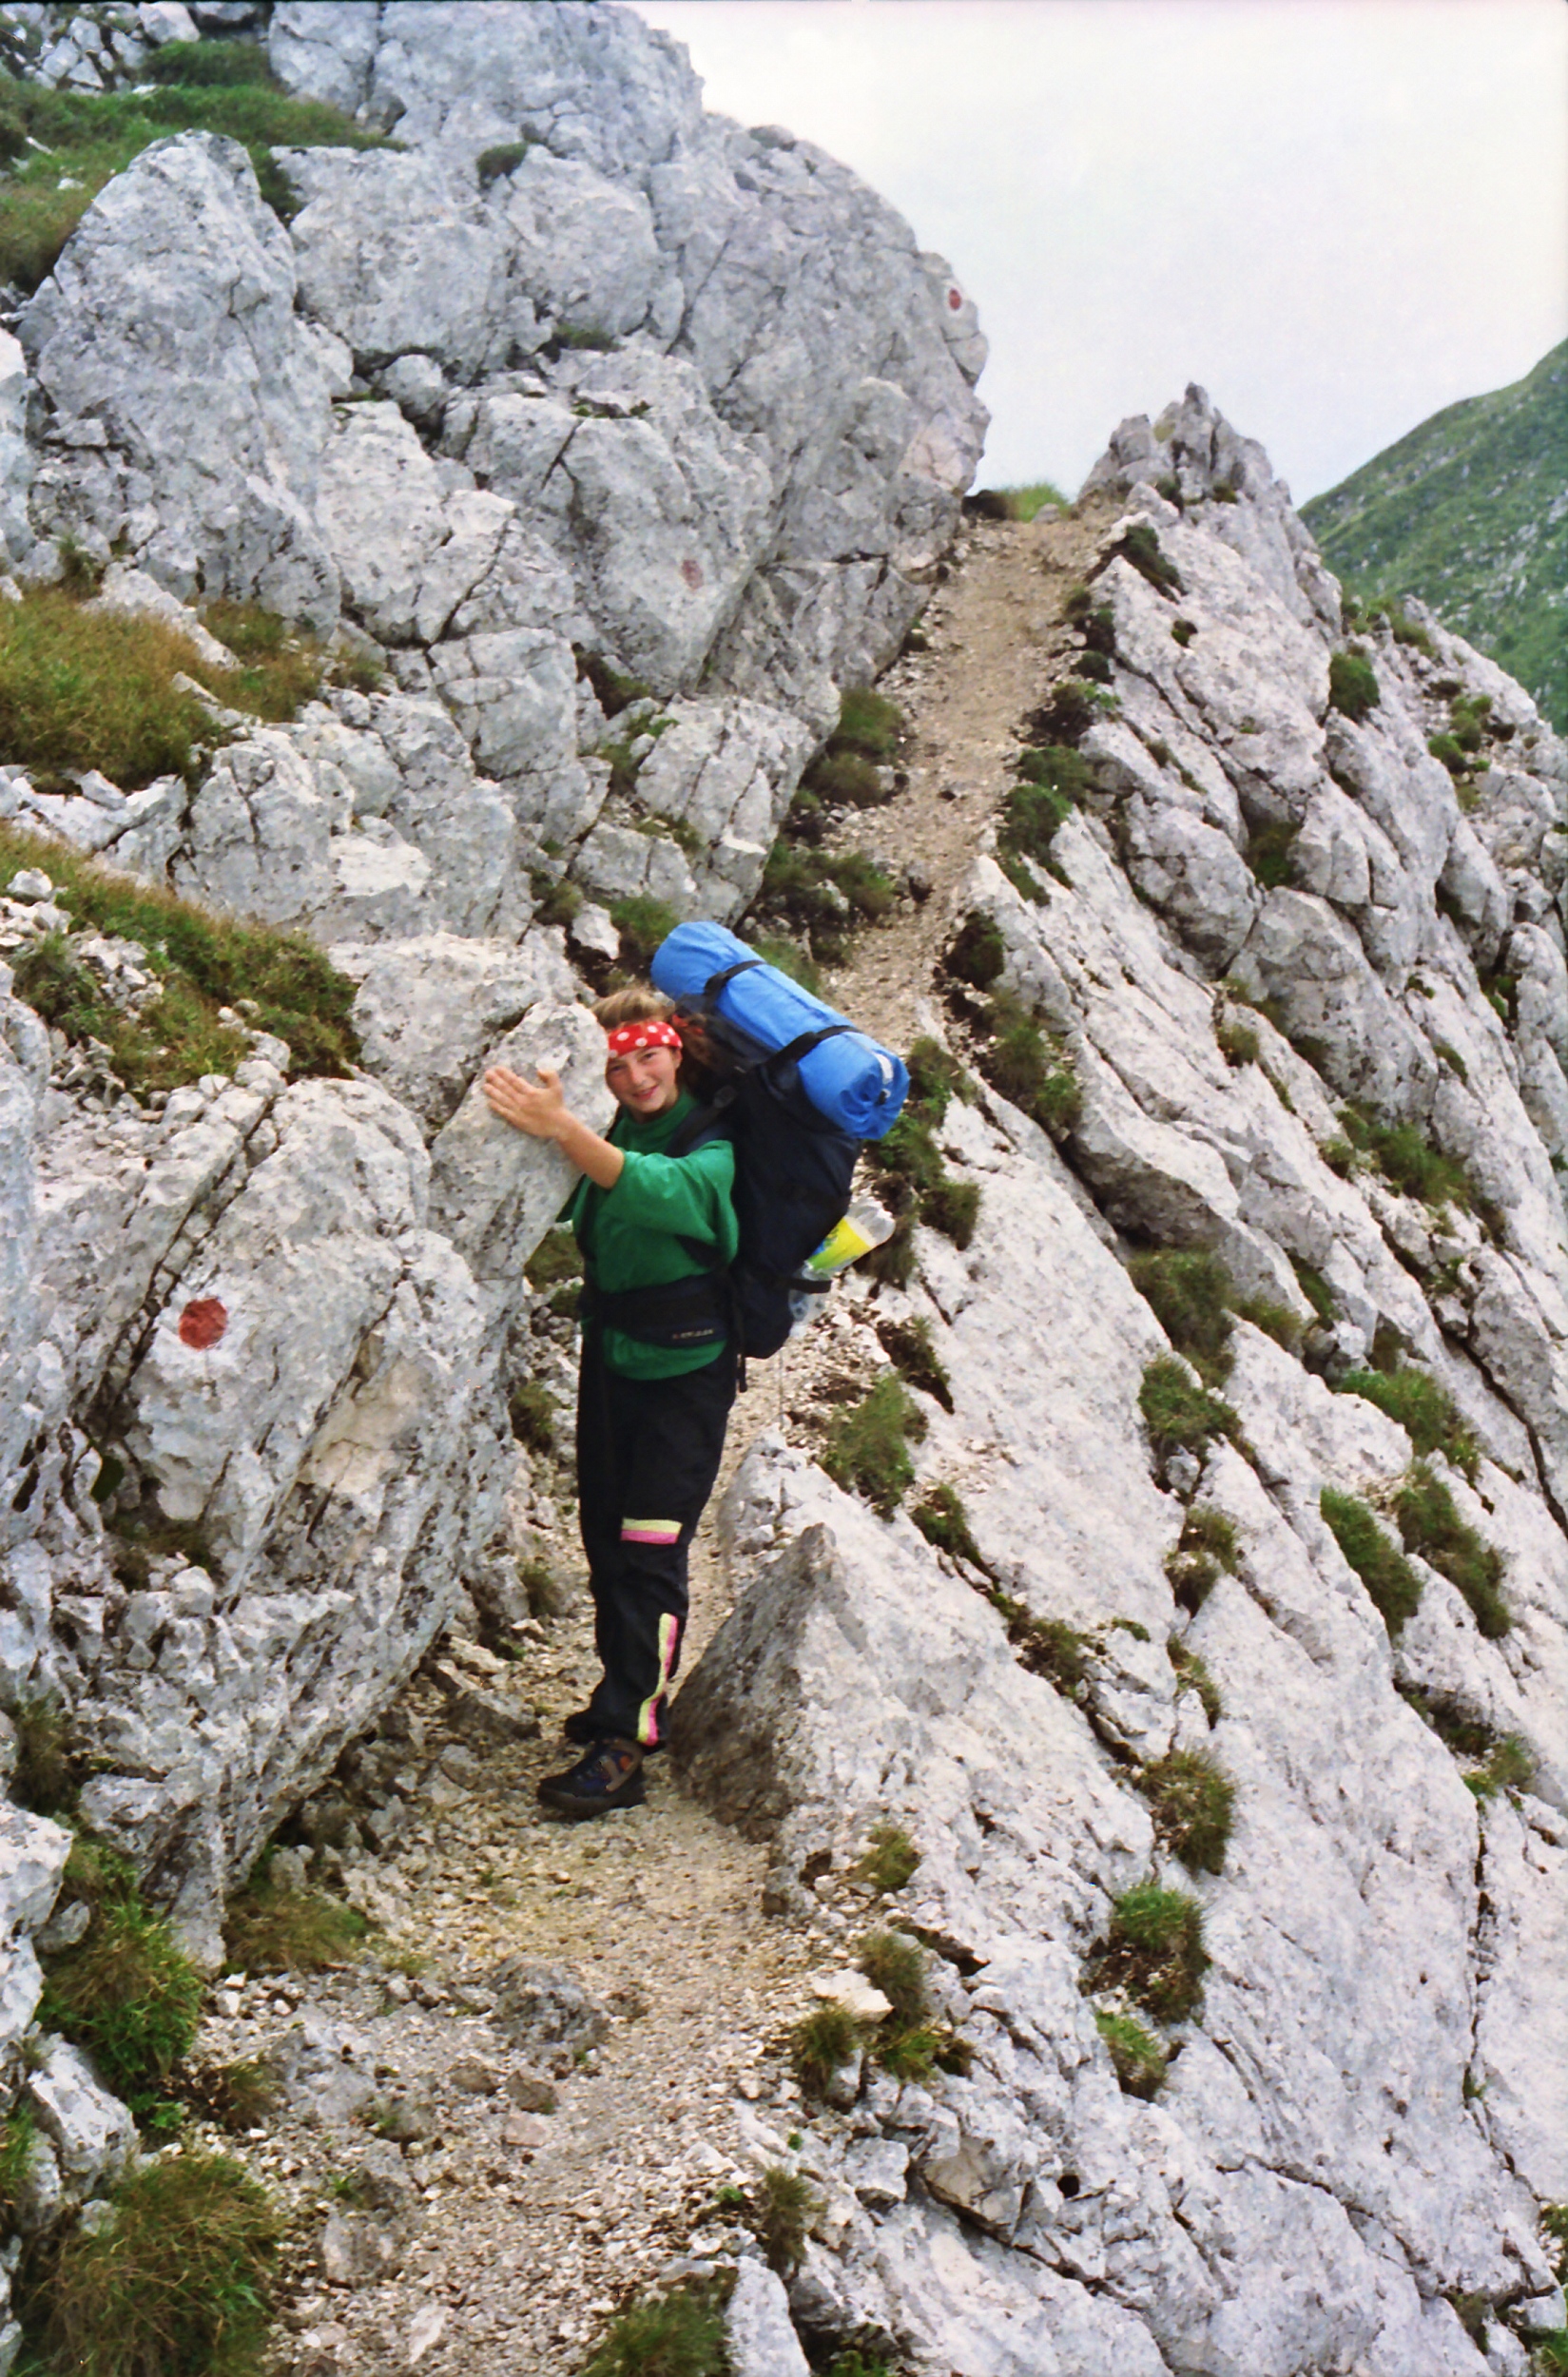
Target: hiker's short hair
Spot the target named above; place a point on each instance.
(638, 1003)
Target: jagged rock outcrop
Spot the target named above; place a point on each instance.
(677, 395)
(627, 405)
(625, 450)
(1358, 2123)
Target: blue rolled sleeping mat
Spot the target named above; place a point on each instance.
(854, 1083)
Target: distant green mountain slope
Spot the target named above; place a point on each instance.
(1470, 513)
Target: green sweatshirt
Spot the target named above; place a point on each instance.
(630, 1235)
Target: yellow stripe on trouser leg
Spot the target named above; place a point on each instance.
(648, 1715)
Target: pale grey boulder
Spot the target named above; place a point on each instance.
(579, 251)
(680, 502)
(395, 255)
(1196, 446)
(367, 818)
(761, 2337)
(576, 78)
(428, 1010)
(187, 414)
(17, 461)
(725, 770)
(91, 2133)
(493, 1192)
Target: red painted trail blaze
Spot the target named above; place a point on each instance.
(202, 1322)
(954, 302)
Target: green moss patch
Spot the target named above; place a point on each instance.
(1179, 1413)
(1392, 1584)
(1192, 1802)
(1154, 1951)
(203, 961)
(1423, 1409)
(867, 1447)
(1429, 1523)
(1138, 2058)
(84, 140)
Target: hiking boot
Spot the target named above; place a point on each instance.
(584, 1727)
(611, 1776)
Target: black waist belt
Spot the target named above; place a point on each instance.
(693, 1311)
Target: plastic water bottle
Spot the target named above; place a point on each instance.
(863, 1227)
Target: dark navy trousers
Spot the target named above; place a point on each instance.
(648, 1453)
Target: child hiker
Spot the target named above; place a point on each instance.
(657, 1377)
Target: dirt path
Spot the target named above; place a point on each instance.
(531, 2226)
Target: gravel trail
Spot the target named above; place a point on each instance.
(511, 2234)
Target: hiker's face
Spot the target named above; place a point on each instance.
(644, 1079)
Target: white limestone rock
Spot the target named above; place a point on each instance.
(187, 412)
(761, 2341)
(428, 1010)
(93, 2133)
(493, 1192)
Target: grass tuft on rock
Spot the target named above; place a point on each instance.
(1180, 1413)
(679, 2335)
(531, 1409)
(642, 922)
(1423, 1409)
(1206, 1550)
(1193, 1802)
(202, 960)
(18, 2138)
(60, 147)
(47, 1776)
(268, 1929)
(1405, 1159)
(1391, 1583)
(914, 1181)
(1138, 2059)
(895, 1963)
(179, 2281)
(1028, 1067)
(908, 1347)
(1430, 1524)
(1193, 1676)
(890, 1861)
(1192, 1297)
(1140, 545)
(1352, 684)
(977, 954)
(943, 1519)
(1154, 1951)
(782, 2210)
(125, 1992)
(822, 2043)
(867, 1447)
(239, 2095)
(1049, 1647)
(1238, 1042)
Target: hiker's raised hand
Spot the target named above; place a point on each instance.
(537, 1107)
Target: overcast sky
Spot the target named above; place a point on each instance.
(1336, 215)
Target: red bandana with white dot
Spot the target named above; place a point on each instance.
(653, 1033)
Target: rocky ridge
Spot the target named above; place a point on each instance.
(1344, 2166)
